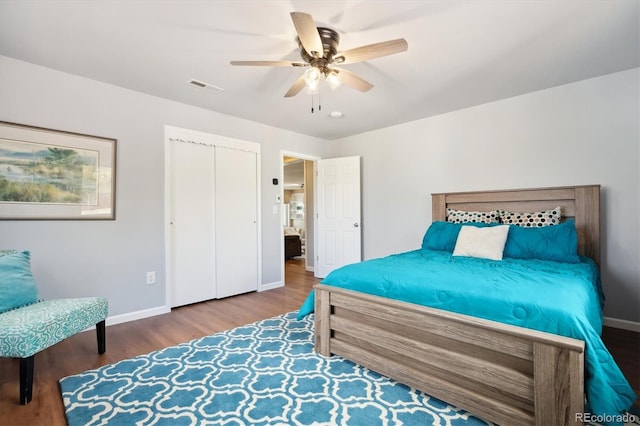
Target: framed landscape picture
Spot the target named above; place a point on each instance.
(51, 174)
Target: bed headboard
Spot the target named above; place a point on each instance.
(582, 203)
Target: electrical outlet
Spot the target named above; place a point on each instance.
(151, 277)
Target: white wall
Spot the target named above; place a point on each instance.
(582, 133)
(110, 258)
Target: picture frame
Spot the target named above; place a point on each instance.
(48, 174)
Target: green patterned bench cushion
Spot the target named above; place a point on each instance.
(27, 330)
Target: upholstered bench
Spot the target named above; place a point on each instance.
(29, 325)
(28, 330)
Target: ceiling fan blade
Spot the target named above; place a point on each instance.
(350, 79)
(270, 63)
(308, 33)
(296, 88)
(371, 51)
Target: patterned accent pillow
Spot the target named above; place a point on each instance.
(532, 219)
(461, 216)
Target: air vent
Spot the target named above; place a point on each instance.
(202, 85)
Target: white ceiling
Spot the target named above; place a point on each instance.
(461, 53)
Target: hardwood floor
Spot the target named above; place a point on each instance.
(127, 340)
(624, 345)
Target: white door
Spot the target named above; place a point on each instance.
(236, 221)
(338, 208)
(191, 223)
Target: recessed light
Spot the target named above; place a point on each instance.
(335, 114)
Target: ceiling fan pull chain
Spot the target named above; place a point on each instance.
(319, 103)
(312, 104)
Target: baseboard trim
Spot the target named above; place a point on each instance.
(309, 268)
(271, 286)
(623, 324)
(147, 313)
(132, 316)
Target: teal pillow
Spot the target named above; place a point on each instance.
(17, 286)
(558, 243)
(442, 236)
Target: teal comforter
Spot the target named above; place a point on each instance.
(554, 297)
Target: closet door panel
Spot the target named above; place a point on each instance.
(191, 223)
(236, 221)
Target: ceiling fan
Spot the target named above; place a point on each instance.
(319, 51)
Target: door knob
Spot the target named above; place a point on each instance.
(355, 225)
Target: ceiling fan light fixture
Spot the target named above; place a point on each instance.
(332, 79)
(312, 78)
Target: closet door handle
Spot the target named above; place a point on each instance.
(355, 225)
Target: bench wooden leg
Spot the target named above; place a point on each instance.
(102, 341)
(26, 379)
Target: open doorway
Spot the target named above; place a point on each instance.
(297, 214)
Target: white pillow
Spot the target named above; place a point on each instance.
(486, 243)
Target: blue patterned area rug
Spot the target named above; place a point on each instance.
(265, 373)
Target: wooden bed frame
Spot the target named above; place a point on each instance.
(501, 373)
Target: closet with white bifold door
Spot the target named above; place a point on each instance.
(213, 229)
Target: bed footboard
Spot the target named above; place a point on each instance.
(502, 373)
